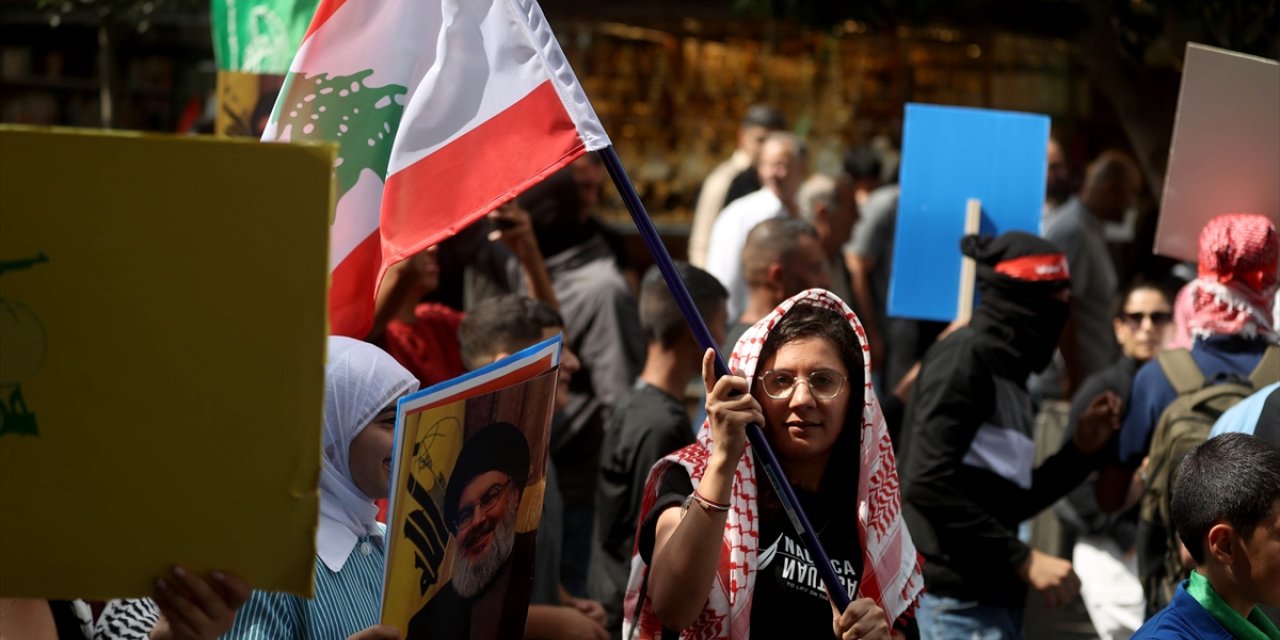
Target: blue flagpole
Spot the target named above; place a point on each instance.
(755, 435)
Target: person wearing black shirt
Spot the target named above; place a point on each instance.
(716, 555)
(649, 423)
(969, 454)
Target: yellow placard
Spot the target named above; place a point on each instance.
(424, 463)
(162, 327)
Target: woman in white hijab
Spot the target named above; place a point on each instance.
(362, 385)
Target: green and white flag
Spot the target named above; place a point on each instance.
(259, 36)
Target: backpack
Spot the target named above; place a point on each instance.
(1183, 425)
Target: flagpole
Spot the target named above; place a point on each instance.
(755, 435)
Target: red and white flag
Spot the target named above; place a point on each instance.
(443, 110)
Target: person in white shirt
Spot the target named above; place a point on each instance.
(782, 171)
(758, 122)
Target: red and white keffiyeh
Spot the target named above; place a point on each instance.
(892, 569)
(1235, 293)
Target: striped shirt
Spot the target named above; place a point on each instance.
(346, 602)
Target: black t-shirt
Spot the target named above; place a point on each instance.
(745, 183)
(647, 425)
(789, 601)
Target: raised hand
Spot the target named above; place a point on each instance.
(730, 408)
(1098, 423)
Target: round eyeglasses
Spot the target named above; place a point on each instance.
(825, 384)
(485, 504)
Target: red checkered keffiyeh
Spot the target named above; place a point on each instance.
(1235, 293)
(891, 568)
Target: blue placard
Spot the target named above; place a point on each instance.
(949, 155)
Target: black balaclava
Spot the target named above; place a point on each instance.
(555, 208)
(1018, 276)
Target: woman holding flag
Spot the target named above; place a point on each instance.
(716, 554)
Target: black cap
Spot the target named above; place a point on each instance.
(763, 115)
(497, 447)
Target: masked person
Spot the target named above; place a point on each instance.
(969, 463)
(361, 386)
(717, 557)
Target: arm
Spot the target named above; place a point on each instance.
(554, 622)
(515, 229)
(1080, 507)
(686, 550)
(400, 291)
(1069, 467)
(1118, 488)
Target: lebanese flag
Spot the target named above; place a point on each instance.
(443, 110)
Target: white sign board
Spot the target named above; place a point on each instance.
(1225, 155)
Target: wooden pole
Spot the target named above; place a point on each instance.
(968, 268)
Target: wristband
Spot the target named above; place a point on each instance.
(707, 505)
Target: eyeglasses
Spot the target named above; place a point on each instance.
(485, 504)
(825, 384)
(1159, 318)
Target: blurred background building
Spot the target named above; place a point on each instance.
(670, 79)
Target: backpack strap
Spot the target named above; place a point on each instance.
(1269, 420)
(1181, 370)
(1268, 369)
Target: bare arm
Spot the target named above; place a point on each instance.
(515, 229)
(686, 550)
(400, 291)
(551, 621)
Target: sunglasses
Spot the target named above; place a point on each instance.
(1159, 318)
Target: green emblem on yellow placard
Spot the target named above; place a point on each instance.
(22, 351)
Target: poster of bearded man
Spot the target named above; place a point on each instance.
(470, 471)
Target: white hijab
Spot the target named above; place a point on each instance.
(360, 380)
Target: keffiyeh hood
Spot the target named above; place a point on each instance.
(360, 380)
(1235, 292)
(891, 567)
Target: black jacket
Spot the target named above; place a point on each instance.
(968, 470)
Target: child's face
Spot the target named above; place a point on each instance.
(569, 364)
(1257, 568)
(371, 455)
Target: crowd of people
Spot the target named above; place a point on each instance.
(912, 446)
